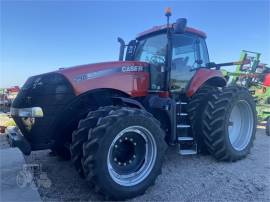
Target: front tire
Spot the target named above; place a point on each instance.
(124, 152)
(79, 136)
(229, 123)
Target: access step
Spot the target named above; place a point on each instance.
(181, 103)
(182, 114)
(185, 138)
(183, 126)
(187, 151)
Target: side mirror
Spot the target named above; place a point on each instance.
(180, 25)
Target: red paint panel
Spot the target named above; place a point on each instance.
(266, 81)
(201, 76)
(133, 83)
(164, 94)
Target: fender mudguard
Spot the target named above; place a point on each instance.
(127, 101)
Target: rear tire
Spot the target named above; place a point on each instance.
(195, 109)
(229, 123)
(268, 126)
(123, 154)
(79, 136)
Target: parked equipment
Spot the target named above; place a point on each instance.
(7, 95)
(255, 76)
(117, 118)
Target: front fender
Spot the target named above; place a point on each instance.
(127, 101)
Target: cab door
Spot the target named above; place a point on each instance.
(188, 54)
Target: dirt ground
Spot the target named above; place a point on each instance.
(188, 178)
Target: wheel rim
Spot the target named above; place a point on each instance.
(241, 124)
(131, 156)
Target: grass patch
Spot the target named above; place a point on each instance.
(6, 121)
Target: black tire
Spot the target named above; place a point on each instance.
(216, 123)
(195, 110)
(268, 126)
(101, 140)
(79, 136)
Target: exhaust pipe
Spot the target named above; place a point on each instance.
(122, 48)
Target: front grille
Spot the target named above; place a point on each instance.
(52, 92)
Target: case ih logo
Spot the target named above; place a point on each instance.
(132, 69)
(106, 72)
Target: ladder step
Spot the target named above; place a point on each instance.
(183, 126)
(187, 151)
(181, 103)
(185, 138)
(182, 114)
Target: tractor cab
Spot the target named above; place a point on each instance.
(173, 54)
(178, 55)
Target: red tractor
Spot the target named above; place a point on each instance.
(115, 119)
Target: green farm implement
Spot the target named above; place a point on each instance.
(255, 76)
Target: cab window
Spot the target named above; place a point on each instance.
(183, 60)
(204, 57)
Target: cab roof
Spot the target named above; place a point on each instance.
(164, 27)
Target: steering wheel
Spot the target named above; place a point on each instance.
(157, 60)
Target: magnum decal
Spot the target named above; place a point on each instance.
(106, 72)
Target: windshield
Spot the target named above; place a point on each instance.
(152, 49)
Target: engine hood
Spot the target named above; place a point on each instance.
(100, 66)
(130, 77)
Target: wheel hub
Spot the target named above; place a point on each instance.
(240, 125)
(131, 156)
(128, 153)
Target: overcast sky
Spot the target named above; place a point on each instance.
(41, 36)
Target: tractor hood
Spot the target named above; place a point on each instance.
(130, 77)
(45, 98)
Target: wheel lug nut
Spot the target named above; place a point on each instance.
(134, 143)
(119, 163)
(134, 156)
(120, 140)
(125, 164)
(130, 161)
(116, 146)
(131, 139)
(115, 159)
(126, 138)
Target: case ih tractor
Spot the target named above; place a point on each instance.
(117, 118)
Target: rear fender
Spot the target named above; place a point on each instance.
(205, 76)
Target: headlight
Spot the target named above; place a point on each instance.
(27, 112)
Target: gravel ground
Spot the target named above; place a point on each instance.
(183, 179)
